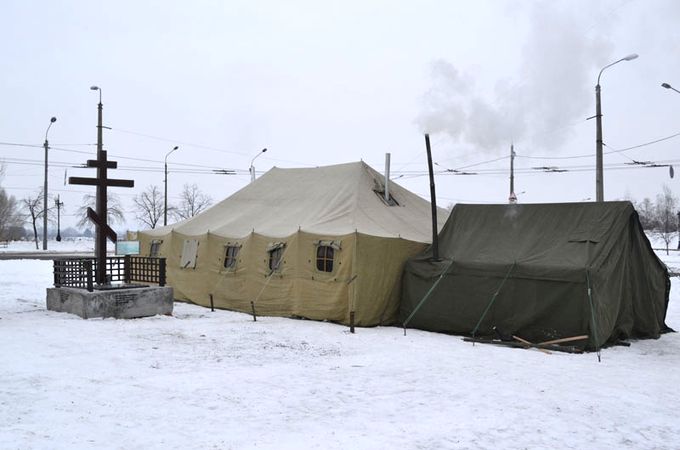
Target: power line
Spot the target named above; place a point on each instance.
(655, 141)
(643, 145)
(63, 164)
(175, 141)
(113, 155)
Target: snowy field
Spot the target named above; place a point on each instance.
(80, 244)
(219, 380)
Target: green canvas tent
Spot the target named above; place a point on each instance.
(541, 272)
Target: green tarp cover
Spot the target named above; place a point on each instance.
(544, 258)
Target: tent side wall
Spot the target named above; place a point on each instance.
(299, 289)
(636, 293)
(296, 289)
(530, 307)
(379, 268)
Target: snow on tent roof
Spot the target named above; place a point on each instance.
(330, 200)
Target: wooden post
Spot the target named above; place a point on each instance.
(212, 305)
(56, 264)
(127, 261)
(161, 272)
(351, 322)
(88, 272)
(252, 305)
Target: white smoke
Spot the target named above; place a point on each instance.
(554, 87)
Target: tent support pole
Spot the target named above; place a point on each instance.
(493, 299)
(592, 315)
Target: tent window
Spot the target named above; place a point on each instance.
(324, 258)
(189, 254)
(230, 255)
(155, 249)
(275, 259)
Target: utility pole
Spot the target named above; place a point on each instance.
(252, 167)
(679, 230)
(513, 198)
(599, 171)
(47, 146)
(58, 204)
(100, 205)
(102, 230)
(165, 182)
(599, 175)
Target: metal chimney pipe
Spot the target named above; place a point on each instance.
(387, 178)
(433, 201)
(513, 198)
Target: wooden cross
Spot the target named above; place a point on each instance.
(100, 216)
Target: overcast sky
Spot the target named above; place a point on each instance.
(321, 83)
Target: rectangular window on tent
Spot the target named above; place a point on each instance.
(155, 248)
(275, 259)
(230, 256)
(326, 252)
(275, 251)
(324, 258)
(189, 254)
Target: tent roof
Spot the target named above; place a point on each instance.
(331, 200)
(558, 235)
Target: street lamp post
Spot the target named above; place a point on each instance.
(47, 146)
(252, 168)
(668, 86)
(58, 204)
(599, 176)
(165, 196)
(678, 230)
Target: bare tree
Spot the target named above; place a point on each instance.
(192, 202)
(33, 210)
(9, 214)
(647, 212)
(149, 206)
(114, 211)
(9, 210)
(666, 219)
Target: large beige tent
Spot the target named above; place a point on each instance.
(316, 242)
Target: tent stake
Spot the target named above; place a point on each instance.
(351, 322)
(212, 305)
(252, 306)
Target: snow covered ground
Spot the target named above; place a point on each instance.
(80, 244)
(201, 379)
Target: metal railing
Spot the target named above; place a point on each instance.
(80, 272)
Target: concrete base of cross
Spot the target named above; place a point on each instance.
(119, 303)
